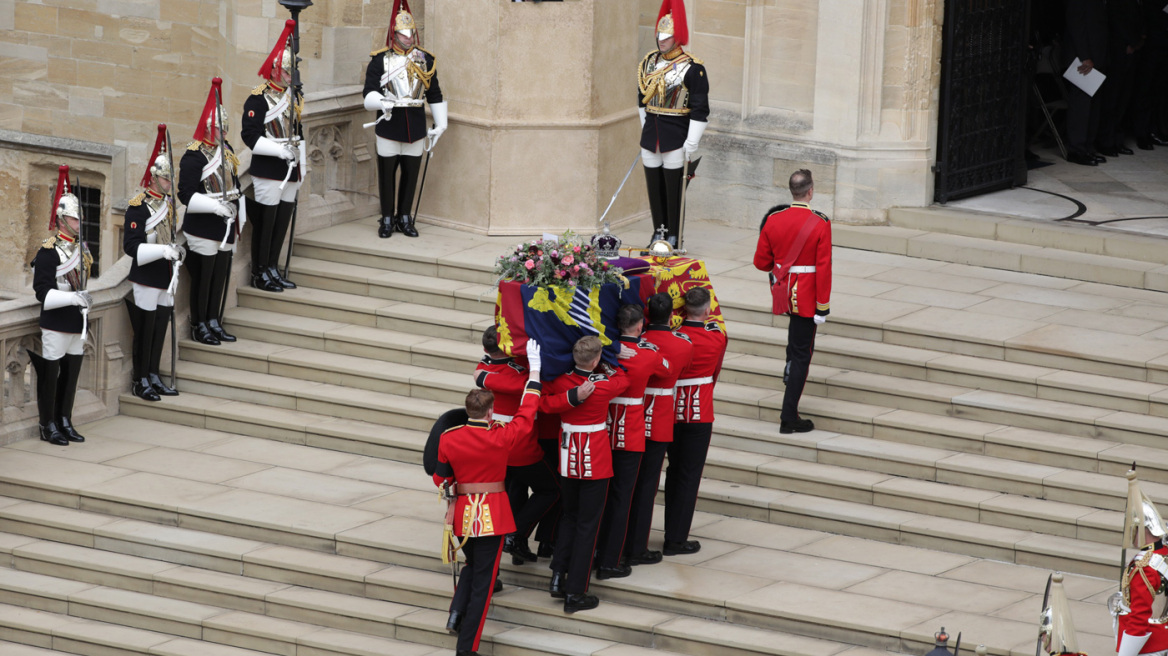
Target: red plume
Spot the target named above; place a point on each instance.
(273, 60)
(62, 189)
(398, 7)
(159, 146)
(680, 26)
(210, 136)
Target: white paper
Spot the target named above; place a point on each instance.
(547, 236)
(1088, 83)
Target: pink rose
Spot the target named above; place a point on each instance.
(559, 274)
(576, 269)
(568, 260)
(529, 264)
(577, 249)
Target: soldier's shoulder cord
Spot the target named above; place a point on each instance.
(379, 51)
(136, 200)
(695, 60)
(260, 89)
(51, 242)
(194, 145)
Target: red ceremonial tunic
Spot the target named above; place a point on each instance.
(477, 453)
(507, 379)
(626, 413)
(585, 452)
(694, 394)
(659, 407)
(806, 290)
(1136, 621)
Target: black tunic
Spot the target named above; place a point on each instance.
(207, 226)
(255, 108)
(666, 132)
(44, 279)
(156, 274)
(405, 124)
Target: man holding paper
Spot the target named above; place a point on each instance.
(1085, 49)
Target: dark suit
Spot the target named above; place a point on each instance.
(1085, 38)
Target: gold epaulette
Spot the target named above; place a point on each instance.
(137, 200)
(695, 59)
(51, 242)
(260, 89)
(194, 145)
(378, 51)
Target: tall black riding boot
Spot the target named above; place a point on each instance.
(48, 371)
(410, 166)
(263, 226)
(162, 319)
(218, 289)
(283, 219)
(673, 183)
(143, 322)
(655, 184)
(200, 267)
(67, 393)
(386, 176)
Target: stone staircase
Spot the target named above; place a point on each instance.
(276, 506)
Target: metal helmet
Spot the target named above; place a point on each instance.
(212, 124)
(68, 206)
(665, 27)
(285, 62)
(401, 21)
(1152, 519)
(160, 167)
(404, 23)
(1140, 515)
(671, 22)
(1056, 630)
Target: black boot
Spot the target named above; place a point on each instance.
(201, 269)
(655, 185)
(454, 622)
(556, 585)
(218, 289)
(673, 185)
(520, 552)
(67, 393)
(386, 175)
(577, 602)
(48, 372)
(262, 228)
(410, 166)
(162, 319)
(284, 213)
(144, 323)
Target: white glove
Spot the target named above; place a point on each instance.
(82, 299)
(204, 204)
(820, 319)
(56, 299)
(373, 101)
(643, 114)
(148, 253)
(387, 103)
(694, 137)
(626, 352)
(271, 148)
(172, 253)
(1130, 645)
(440, 118)
(533, 359)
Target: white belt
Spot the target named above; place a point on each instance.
(690, 382)
(503, 418)
(409, 103)
(624, 400)
(578, 428)
(802, 269)
(658, 391)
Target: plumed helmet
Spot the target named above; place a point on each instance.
(671, 22)
(64, 202)
(400, 20)
(68, 205)
(1056, 629)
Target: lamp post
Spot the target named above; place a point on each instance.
(295, 7)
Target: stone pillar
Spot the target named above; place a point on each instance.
(543, 120)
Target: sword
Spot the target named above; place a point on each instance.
(690, 170)
(622, 186)
(1042, 611)
(82, 270)
(422, 186)
(297, 93)
(175, 266)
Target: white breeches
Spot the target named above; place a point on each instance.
(391, 148)
(673, 159)
(206, 247)
(149, 298)
(55, 345)
(268, 192)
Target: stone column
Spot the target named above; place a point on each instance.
(543, 120)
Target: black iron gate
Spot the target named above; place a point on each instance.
(981, 129)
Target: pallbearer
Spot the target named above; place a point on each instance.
(673, 99)
(400, 78)
(209, 186)
(1141, 630)
(271, 128)
(59, 280)
(148, 238)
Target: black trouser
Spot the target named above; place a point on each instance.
(644, 494)
(614, 527)
(1147, 100)
(545, 492)
(1116, 96)
(800, 346)
(576, 538)
(472, 597)
(1082, 119)
(547, 526)
(687, 459)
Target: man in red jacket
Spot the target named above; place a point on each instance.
(794, 246)
(1144, 577)
(526, 468)
(472, 461)
(626, 428)
(581, 398)
(694, 405)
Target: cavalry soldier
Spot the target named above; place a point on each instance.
(1057, 629)
(208, 185)
(626, 429)
(794, 246)
(271, 128)
(401, 77)
(694, 403)
(149, 239)
(61, 273)
(499, 374)
(472, 461)
(675, 347)
(673, 100)
(581, 397)
(1144, 578)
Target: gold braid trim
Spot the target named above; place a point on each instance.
(194, 145)
(137, 200)
(260, 89)
(51, 242)
(653, 84)
(1137, 565)
(233, 160)
(379, 51)
(87, 258)
(418, 73)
